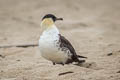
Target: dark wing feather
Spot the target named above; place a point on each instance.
(67, 44)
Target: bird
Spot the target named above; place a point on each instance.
(55, 47)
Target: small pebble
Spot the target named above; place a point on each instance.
(18, 60)
(109, 54)
(2, 56)
(118, 72)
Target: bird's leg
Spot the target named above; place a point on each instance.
(62, 64)
(53, 63)
(81, 61)
(58, 63)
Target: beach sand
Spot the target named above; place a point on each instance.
(92, 26)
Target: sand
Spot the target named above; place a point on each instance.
(92, 26)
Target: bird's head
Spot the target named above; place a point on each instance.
(49, 20)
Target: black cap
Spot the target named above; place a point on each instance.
(54, 18)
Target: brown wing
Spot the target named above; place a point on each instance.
(67, 44)
(74, 57)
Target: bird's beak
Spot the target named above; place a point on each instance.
(59, 19)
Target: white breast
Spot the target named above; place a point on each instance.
(48, 44)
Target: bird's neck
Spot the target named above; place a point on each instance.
(51, 30)
(48, 22)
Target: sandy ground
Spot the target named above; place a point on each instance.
(92, 26)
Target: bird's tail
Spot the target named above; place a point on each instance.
(81, 56)
(78, 60)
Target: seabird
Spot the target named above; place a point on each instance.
(55, 47)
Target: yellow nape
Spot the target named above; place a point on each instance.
(47, 22)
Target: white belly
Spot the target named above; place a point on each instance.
(49, 50)
(57, 57)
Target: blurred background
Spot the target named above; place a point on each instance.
(92, 26)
